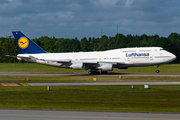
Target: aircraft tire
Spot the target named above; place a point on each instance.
(157, 71)
(90, 72)
(93, 72)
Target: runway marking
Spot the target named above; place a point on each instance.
(9, 84)
(128, 118)
(14, 84)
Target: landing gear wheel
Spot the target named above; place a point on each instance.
(157, 71)
(93, 72)
(89, 72)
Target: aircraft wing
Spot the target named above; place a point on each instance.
(51, 60)
(58, 60)
(88, 64)
(108, 62)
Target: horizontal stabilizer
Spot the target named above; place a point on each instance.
(15, 56)
(11, 56)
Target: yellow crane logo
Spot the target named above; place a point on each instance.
(23, 42)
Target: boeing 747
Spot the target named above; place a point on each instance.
(92, 61)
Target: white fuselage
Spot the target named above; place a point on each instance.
(119, 58)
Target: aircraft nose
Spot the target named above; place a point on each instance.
(173, 57)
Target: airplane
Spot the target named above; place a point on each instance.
(105, 61)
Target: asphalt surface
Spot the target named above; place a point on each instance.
(85, 74)
(114, 83)
(80, 115)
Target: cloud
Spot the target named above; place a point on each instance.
(128, 3)
(85, 18)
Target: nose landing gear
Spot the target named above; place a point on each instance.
(157, 71)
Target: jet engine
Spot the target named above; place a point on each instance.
(106, 67)
(77, 66)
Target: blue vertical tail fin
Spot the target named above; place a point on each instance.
(26, 45)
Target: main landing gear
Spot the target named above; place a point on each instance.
(157, 71)
(91, 72)
(96, 72)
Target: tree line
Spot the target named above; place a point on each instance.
(171, 43)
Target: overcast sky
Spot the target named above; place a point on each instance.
(85, 18)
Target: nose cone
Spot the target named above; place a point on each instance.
(173, 57)
(168, 57)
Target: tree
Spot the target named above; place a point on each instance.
(8, 46)
(84, 44)
(75, 45)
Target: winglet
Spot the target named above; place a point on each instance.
(26, 45)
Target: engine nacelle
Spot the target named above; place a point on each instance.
(77, 66)
(106, 67)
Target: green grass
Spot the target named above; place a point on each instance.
(163, 99)
(89, 79)
(93, 98)
(31, 67)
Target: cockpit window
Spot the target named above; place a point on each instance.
(162, 49)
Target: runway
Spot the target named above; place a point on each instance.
(114, 83)
(79, 115)
(85, 74)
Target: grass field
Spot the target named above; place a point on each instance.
(31, 67)
(93, 98)
(161, 99)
